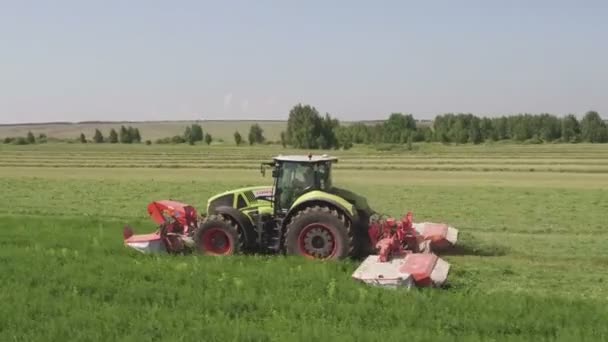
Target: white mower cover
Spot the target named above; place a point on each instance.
(440, 235)
(146, 243)
(411, 270)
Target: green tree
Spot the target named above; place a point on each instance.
(327, 135)
(237, 138)
(197, 132)
(593, 128)
(42, 139)
(487, 130)
(475, 135)
(113, 137)
(82, 138)
(20, 141)
(188, 134)
(283, 139)
(256, 134)
(441, 128)
(176, 139)
(303, 127)
(398, 127)
(361, 133)
(208, 138)
(459, 130)
(521, 127)
(570, 129)
(125, 135)
(549, 127)
(136, 137)
(428, 135)
(344, 137)
(98, 137)
(501, 128)
(31, 139)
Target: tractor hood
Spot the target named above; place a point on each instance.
(253, 196)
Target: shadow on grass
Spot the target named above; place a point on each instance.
(469, 248)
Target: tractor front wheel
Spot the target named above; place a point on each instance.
(217, 235)
(319, 233)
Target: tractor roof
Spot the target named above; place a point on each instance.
(305, 158)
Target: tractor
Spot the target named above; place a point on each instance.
(303, 213)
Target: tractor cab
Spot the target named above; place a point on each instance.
(296, 175)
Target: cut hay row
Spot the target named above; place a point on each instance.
(349, 161)
(259, 155)
(393, 167)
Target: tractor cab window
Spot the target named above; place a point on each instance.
(304, 177)
(295, 179)
(324, 176)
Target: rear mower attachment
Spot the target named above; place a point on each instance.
(177, 222)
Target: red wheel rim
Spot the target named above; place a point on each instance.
(317, 241)
(216, 241)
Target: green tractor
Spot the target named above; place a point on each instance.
(303, 213)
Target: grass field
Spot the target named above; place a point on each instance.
(533, 219)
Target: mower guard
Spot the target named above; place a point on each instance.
(440, 236)
(395, 266)
(176, 222)
(408, 270)
(145, 243)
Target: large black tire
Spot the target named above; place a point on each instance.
(319, 232)
(218, 235)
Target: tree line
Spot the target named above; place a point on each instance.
(307, 129)
(194, 133)
(131, 135)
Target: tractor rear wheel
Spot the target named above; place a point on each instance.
(319, 232)
(217, 235)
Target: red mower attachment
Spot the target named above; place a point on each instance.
(405, 253)
(177, 222)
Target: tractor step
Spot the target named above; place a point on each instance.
(409, 270)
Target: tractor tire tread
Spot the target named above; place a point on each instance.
(325, 210)
(225, 222)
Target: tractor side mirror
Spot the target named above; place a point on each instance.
(275, 173)
(262, 170)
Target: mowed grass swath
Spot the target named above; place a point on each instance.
(533, 266)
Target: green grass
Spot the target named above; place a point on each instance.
(532, 268)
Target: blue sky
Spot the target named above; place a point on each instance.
(162, 60)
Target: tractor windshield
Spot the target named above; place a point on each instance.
(297, 178)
